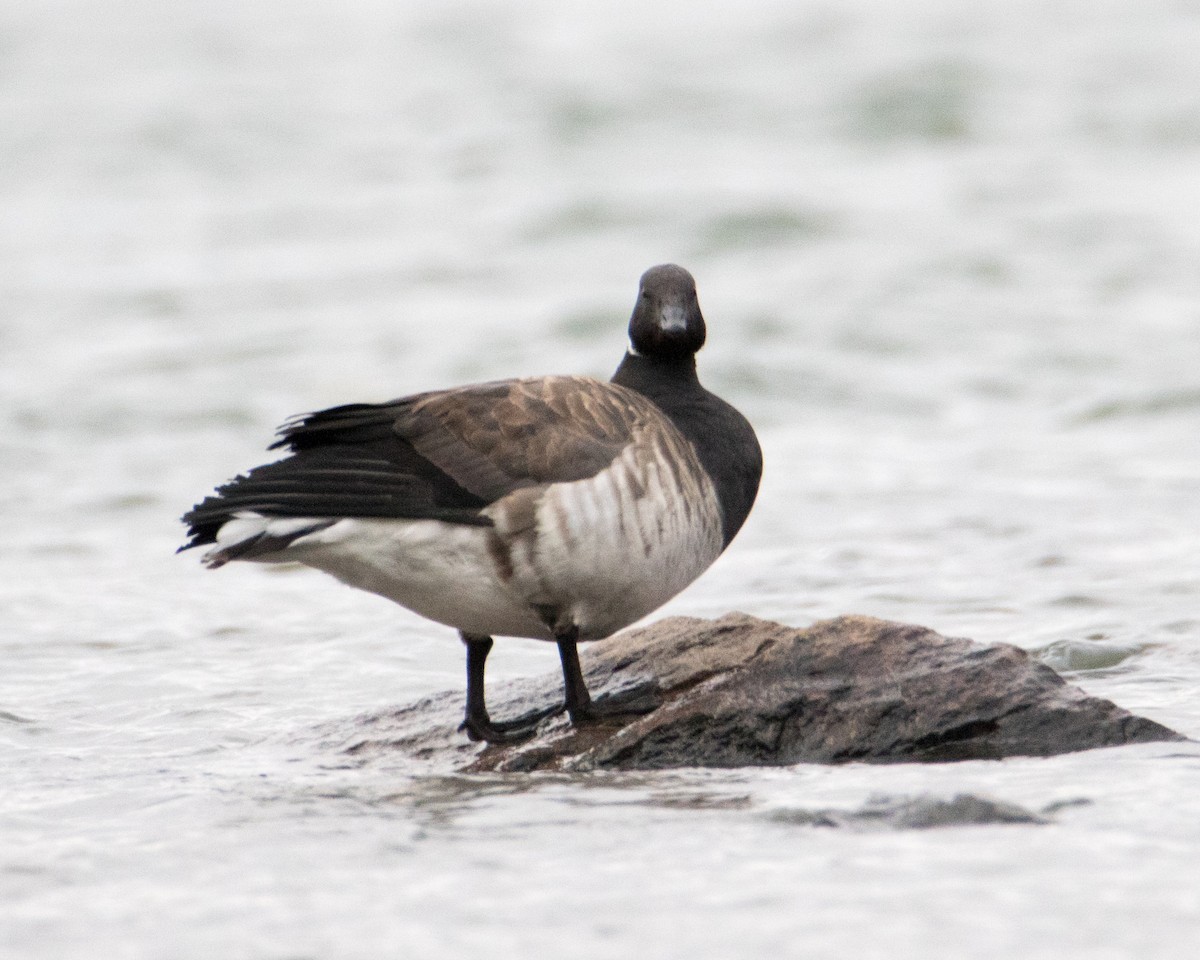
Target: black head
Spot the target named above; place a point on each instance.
(666, 322)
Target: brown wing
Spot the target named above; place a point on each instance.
(497, 437)
(443, 455)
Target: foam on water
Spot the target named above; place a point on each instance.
(947, 253)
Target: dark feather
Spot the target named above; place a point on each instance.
(441, 456)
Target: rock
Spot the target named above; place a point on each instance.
(740, 691)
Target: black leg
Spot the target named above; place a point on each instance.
(477, 724)
(578, 700)
(579, 703)
(478, 649)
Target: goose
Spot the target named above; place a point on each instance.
(561, 508)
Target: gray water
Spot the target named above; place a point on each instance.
(948, 253)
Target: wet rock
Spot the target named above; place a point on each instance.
(740, 691)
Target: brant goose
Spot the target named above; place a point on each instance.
(559, 508)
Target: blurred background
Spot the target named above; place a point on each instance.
(948, 256)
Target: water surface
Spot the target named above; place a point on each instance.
(948, 258)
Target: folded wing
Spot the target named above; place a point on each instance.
(444, 455)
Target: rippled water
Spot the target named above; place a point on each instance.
(948, 254)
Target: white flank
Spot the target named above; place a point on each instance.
(440, 570)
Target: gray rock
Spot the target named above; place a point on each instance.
(740, 691)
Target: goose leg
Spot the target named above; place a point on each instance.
(579, 703)
(477, 724)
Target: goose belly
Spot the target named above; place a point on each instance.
(606, 551)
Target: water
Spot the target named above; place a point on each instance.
(948, 257)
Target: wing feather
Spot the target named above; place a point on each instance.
(499, 437)
(443, 455)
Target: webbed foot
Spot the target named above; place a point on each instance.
(481, 727)
(636, 700)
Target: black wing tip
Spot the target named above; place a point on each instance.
(290, 427)
(350, 422)
(199, 537)
(203, 521)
